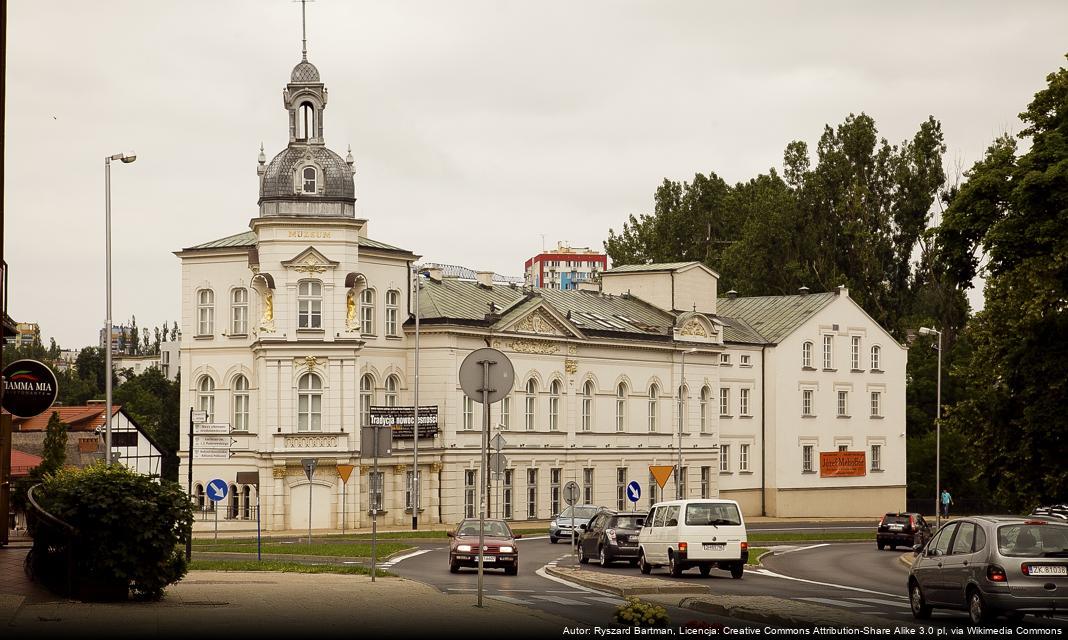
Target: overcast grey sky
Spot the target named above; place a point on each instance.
(477, 127)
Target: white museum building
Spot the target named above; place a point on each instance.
(293, 330)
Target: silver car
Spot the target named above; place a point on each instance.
(991, 565)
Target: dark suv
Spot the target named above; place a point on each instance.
(902, 529)
(611, 535)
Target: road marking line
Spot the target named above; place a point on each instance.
(809, 529)
(835, 603)
(772, 574)
(811, 546)
(460, 589)
(525, 603)
(571, 592)
(545, 537)
(567, 601)
(612, 601)
(517, 590)
(406, 556)
(543, 574)
(890, 603)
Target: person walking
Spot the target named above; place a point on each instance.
(946, 501)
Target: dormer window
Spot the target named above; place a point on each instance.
(309, 180)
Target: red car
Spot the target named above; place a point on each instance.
(500, 550)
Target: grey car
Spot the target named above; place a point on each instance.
(992, 565)
(576, 516)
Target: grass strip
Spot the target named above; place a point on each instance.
(755, 536)
(755, 553)
(282, 567)
(334, 549)
(382, 535)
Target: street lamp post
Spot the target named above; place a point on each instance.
(682, 412)
(126, 158)
(415, 432)
(925, 331)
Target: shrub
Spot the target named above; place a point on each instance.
(129, 525)
(635, 613)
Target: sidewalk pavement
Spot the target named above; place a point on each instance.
(269, 605)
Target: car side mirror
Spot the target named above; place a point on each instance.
(583, 527)
(933, 552)
(450, 533)
(641, 523)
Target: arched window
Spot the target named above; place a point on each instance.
(621, 407)
(206, 396)
(240, 404)
(654, 393)
(392, 299)
(806, 355)
(367, 398)
(587, 406)
(246, 502)
(234, 497)
(309, 180)
(391, 391)
(309, 304)
(367, 312)
(309, 403)
(876, 353)
(706, 407)
(305, 121)
(529, 401)
(205, 312)
(554, 405)
(239, 312)
(198, 491)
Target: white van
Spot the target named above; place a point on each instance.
(694, 533)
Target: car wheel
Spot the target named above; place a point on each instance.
(737, 570)
(643, 564)
(603, 557)
(512, 570)
(582, 555)
(882, 545)
(674, 568)
(977, 610)
(920, 609)
(705, 570)
(554, 540)
(454, 567)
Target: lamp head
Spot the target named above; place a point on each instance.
(924, 331)
(126, 158)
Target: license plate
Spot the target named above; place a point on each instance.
(489, 559)
(714, 546)
(897, 527)
(1047, 570)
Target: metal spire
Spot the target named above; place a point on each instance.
(304, 30)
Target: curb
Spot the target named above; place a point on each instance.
(626, 591)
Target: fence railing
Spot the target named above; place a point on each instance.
(51, 560)
(226, 512)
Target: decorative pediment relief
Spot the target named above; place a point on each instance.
(540, 322)
(310, 261)
(695, 327)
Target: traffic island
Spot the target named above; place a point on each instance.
(624, 584)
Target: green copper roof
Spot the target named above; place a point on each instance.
(248, 239)
(774, 317)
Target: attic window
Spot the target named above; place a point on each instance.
(309, 180)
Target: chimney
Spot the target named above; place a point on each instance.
(593, 286)
(842, 291)
(484, 278)
(732, 294)
(435, 273)
(803, 290)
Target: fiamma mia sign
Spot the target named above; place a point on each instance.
(29, 388)
(401, 419)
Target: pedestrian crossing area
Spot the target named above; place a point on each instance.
(531, 598)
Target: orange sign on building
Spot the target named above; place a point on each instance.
(841, 464)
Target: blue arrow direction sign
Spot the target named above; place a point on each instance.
(217, 490)
(634, 491)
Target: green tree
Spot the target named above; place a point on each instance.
(1009, 222)
(55, 445)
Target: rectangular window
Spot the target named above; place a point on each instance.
(877, 457)
(469, 414)
(854, 352)
(205, 314)
(309, 304)
(724, 458)
(806, 458)
(745, 361)
(806, 402)
(621, 488)
(506, 412)
(587, 485)
(843, 403)
(743, 402)
(506, 491)
(470, 485)
(653, 486)
(876, 404)
(532, 494)
(377, 488)
(239, 312)
(724, 401)
(828, 351)
(554, 489)
(706, 481)
(409, 490)
(682, 484)
(843, 447)
(875, 358)
(587, 410)
(367, 311)
(806, 355)
(392, 298)
(743, 457)
(724, 359)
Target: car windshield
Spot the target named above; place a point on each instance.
(581, 513)
(893, 518)
(628, 522)
(712, 513)
(1033, 540)
(494, 528)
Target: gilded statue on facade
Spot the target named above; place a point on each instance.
(267, 321)
(351, 323)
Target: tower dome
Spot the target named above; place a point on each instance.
(305, 72)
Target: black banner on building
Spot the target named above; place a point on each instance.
(400, 419)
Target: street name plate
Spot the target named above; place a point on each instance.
(216, 453)
(199, 416)
(213, 442)
(212, 428)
